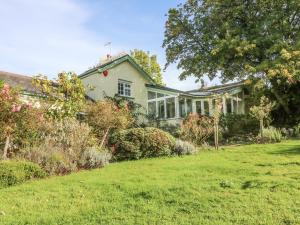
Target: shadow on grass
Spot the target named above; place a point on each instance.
(292, 150)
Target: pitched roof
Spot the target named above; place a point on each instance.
(218, 88)
(17, 80)
(114, 62)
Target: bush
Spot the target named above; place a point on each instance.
(139, 143)
(174, 130)
(237, 124)
(13, 172)
(271, 135)
(51, 159)
(64, 144)
(184, 148)
(94, 158)
(197, 129)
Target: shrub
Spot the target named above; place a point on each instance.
(138, 143)
(174, 130)
(94, 158)
(13, 172)
(64, 143)
(197, 129)
(271, 134)
(184, 148)
(106, 116)
(51, 159)
(238, 124)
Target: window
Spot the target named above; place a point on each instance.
(189, 106)
(228, 105)
(152, 109)
(124, 88)
(160, 95)
(161, 109)
(206, 108)
(170, 107)
(151, 95)
(198, 107)
(182, 108)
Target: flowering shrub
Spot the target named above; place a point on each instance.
(106, 116)
(15, 118)
(139, 143)
(197, 129)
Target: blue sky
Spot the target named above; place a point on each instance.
(51, 36)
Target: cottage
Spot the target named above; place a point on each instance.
(122, 76)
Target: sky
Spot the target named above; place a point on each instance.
(47, 37)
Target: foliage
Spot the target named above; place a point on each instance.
(271, 135)
(184, 148)
(197, 129)
(16, 119)
(149, 64)
(65, 96)
(238, 124)
(105, 116)
(262, 111)
(235, 39)
(13, 172)
(134, 109)
(139, 143)
(94, 158)
(63, 145)
(50, 158)
(286, 111)
(173, 129)
(156, 188)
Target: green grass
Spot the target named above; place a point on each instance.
(254, 184)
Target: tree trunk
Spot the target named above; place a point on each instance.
(104, 137)
(261, 127)
(216, 136)
(4, 156)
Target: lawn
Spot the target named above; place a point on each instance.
(253, 184)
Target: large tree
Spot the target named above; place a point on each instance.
(235, 39)
(149, 64)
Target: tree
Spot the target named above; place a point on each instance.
(65, 96)
(149, 64)
(262, 112)
(236, 39)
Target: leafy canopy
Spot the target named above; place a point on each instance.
(149, 64)
(235, 38)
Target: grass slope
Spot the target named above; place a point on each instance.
(254, 184)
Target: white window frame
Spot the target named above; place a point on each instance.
(127, 87)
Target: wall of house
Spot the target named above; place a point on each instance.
(108, 86)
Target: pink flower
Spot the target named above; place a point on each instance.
(5, 91)
(29, 105)
(16, 108)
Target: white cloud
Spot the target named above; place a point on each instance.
(50, 36)
(47, 37)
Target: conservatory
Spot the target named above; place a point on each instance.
(173, 105)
